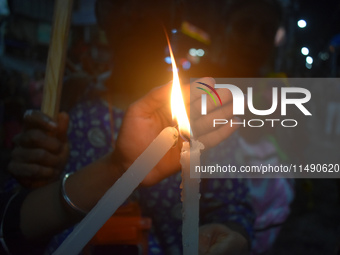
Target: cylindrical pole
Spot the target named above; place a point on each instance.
(56, 57)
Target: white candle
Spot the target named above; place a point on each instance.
(118, 193)
(190, 157)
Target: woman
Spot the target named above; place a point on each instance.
(138, 42)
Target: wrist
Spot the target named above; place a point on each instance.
(85, 187)
(67, 202)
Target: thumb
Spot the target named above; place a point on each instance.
(63, 121)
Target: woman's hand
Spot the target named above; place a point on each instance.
(217, 239)
(146, 118)
(41, 149)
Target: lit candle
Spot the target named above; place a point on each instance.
(118, 193)
(190, 157)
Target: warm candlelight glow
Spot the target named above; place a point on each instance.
(177, 103)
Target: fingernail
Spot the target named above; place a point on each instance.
(49, 121)
(52, 123)
(28, 113)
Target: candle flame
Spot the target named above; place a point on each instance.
(179, 113)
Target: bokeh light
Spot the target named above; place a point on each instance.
(304, 51)
(309, 60)
(302, 23)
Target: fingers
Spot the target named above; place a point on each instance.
(35, 138)
(160, 96)
(63, 121)
(37, 119)
(218, 134)
(38, 156)
(196, 93)
(196, 105)
(24, 170)
(41, 149)
(41, 132)
(218, 106)
(205, 123)
(215, 98)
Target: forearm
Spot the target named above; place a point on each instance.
(44, 213)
